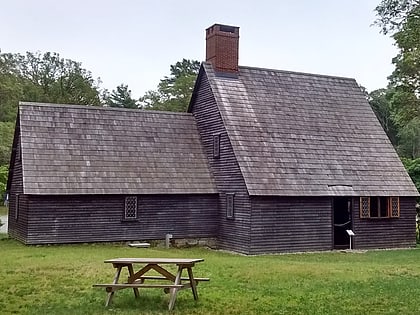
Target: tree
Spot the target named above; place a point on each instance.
(381, 105)
(121, 97)
(401, 19)
(393, 14)
(39, 78)
(413, 169)
(174, 92)
(47, 78)
(6, 136)
(4, 171)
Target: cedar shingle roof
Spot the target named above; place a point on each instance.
(70, 149)
(303, 134)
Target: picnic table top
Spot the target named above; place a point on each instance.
(177, 261)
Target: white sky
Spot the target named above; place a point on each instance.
(135, 42)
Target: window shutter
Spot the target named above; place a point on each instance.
(365, 207)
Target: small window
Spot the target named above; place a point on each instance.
(17, 206)
(395, 207)
(17, 151)
(130, 209)
(379, 207)
(230, 206)
(216, 146)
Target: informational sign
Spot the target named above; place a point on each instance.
(350, 233)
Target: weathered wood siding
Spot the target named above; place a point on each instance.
(17, 225)
(386, 232)
(96, 218)
(233, 233)
(290, 224)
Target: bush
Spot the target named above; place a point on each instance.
(4, 172)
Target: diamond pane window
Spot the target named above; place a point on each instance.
(130, 211)
(364, 207)
(395, 207)
(379, 207)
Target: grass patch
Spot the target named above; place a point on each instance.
(3, 210)
(58, 280)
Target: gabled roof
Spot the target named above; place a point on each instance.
(304, 134)
(69, 149)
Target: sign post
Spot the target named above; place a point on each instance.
(351, 234)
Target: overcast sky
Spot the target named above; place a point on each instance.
(135, 42)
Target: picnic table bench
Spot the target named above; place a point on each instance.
(136, 280)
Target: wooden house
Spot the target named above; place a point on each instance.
(264, 161)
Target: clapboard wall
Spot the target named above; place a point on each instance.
(233, 233)
(386, 232)
(99, 218)
(18, 211)
(290, 224)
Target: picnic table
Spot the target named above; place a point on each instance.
(168, 281)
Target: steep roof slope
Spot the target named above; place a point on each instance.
(303, 134)
(70, 149)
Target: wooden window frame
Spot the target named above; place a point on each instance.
(127, 203)
(393, 208)
(216, 146)
(17, 206)
(230, 206)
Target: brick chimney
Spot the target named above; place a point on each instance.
(222, 47)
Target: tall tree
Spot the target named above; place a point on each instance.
(401, 19)
(173, 92)
(380, 103)
(121, 97)
(48, 78)
(40, 78)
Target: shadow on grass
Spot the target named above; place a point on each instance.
(123, 302)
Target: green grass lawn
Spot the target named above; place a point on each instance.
(3, 210)
(58, 280)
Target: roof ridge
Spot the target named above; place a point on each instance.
(299, 73)
(94, 107)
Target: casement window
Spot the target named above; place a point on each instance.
(216, 146)
(130, 208)
(230, 206)
(379, 207)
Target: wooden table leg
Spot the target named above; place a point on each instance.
(192, 283)
(116, 277)
(131, 273)
(174, 291)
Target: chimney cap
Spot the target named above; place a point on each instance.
(223, 28)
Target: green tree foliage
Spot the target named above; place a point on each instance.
(413, 169)
(174, 92)
(49, 78)
(6, 136)
(379, 101)
(401, 19)
(4, 171)
(121, 97)
(393, 14)
(39, 78)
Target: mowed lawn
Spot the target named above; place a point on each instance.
(58, 280)
(3, 209)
